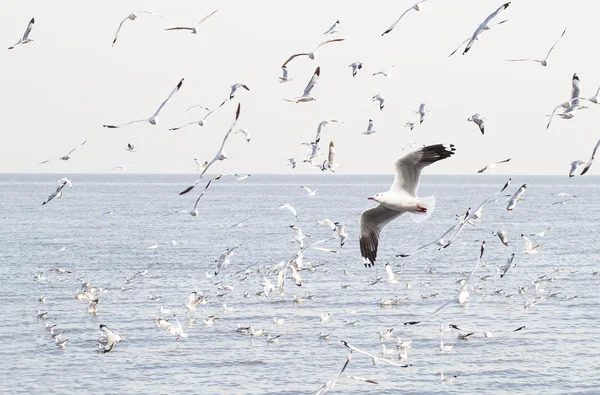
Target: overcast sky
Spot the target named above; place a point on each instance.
(59, 90)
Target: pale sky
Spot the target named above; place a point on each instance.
(60, 89)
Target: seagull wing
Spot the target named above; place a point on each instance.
(206, 17)
(485, 23)
(28, 30)
(389, 29)
(202, 194)
(80, 145)
(119, 30)
(389, 271)
(589, 163)
(372, 222)
(329, 41)
(292, 57)
(170, 96)
(460, 45)
(552, 47)
(313, 81)
(187, 124)
(125, 124)
(180, 28)
(528, 244)
(215, 109)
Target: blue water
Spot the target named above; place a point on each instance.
(555, 353)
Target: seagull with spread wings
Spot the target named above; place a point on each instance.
(306, 97)
(65, 157)
(313, 54)
(543, 62)
(477, 120)
(221, 155)
(132, 17)
(194, 211)
(25, 39)
(493, 165)
(201, 122)
(401, 198)
(153, 120)
(322, 124)
(194, 29)
(415, 7)
(58, 193)
(484, 26)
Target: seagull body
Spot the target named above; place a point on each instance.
(421, 112)
(313, 54)
(356, 66)
(289, 207)
(340, 231)
(201, 122)
(380, 99)
(330, 163)
(516, 197)
(332, 30)
(415, 7)
(484, 26)
(410, 125)
(132, 17)
(400, 198)
(447, 380)
(224, 258)
(390, 273)
(309, 191)
(493, 165)
(194, 29)
(67, 156)
(571, 106)
(322, 124)
(503, 236)
(543, 62)
(153, 120)
(542, 233)
(510, 263)
(370, 128)
(234, 89)
(477, 120)
(306, 97)
(387, 73)
(25, 39)
(111, 339)
(58, 193)
(574, 166)
(292, 162)
(589, 162)
(529, 247)
(284, 77)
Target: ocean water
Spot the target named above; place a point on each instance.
(556, 353)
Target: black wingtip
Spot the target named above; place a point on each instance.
(186, 190)
(180, 83)
(32, 20)
(237, 113)
(110, 126)
(318, 71)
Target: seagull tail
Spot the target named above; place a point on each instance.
(429, 204)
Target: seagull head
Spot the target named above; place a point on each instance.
(378, 197)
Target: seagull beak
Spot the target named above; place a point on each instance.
(371, 198)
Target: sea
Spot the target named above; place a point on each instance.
(100, 231)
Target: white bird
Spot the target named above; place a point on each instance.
(543, 62)
(493, 165)
(510, 263)
(542, 233)
(58, 193)
(502, 235)
(111, 339)
(67, 156)
(386, 353)
(153, 120)
(309, 191)
(589, 163)
(340, 231)
(370, 128)
(410, 125)
(289, 207)
(332, 30)
(313, 54)
(330, 384)
(571, 106)
(478, 120)
(284, 77)
(201, 122)
(445, 347)
(415, 7)
(447, 380)
(224, 258)
(484, 26)
(130, 148)
(292, 162)
(306, 97)
(401, 198)
(25, 39)
(242, 177)
(595, 99)
(529, 247)
(387, 73)
(278, 321)
(221, 155)
(234, 89)
(374, 358)
(355, 67)
(245, 132)
(200, 166)
(421, 111)
(194, 29)
(327, 222)
(380, 99)
(516, 197)
(325, 317)
(390, 273)
(574, 166)
(330, 163)
(132, 17)
(123, 167)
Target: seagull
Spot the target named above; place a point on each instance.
(401, 198)
(327, 222)
(441, 241)
(421, 112)
(124, 167)
(195, 29)
(415, 7)
(574, 166)
(330, 163)
(380, 99)
(289, 207)
(309, 191)
(201, 122)
(447, 379)
(58, 193)
(200, 166)
(493, 165)
(543, 62)
(194, 211)
(111, 339)
(508, 265)
(410, 125)
(542, 233)
(502, 235)
(330, 384)
(223, 259)
(240, 223)
(390, 273)
(446, 346)
(221, 155)
(241, 178)
(529, 247)
(313, 54)
(478, 120)
(292, 162)
(311, 84)
(25, 39)
(153, 120)
(484, 26)
(387, 74)
(589, 163)
(355, 67)
(130, 148)
(340, 230)
(132, 17)
(332, 30)
(284, 77)
(369, 128)
(374, 358)
(572, 105)
(234, 89)
(67, 156)
(245, 132)
(516, 197)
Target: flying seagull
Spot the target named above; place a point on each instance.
(130, 148)
(477, 120)
(421, 111)
(413, 7)
(65, 157)
(387, 74)
(322, 124)
(153, 120)
(123, 167)
(529, 247)
(516, 197)
(410, 125)
(201, 122)
(572, 105)
(543, 62)
(401, 198)
(195, 29)
(245, 132)
(289, 207)
(313, 54)
(234, 89)
(132, 17)
(370, 128)
(330, 163)
(306, 97)
(194, 211)
(589, 163)
(493, 165)
(221, 155)
(309, 191)
(110, 339)
(223, 259)
(574, 166)
(58, 193)
(484, 26)
(25, 39)
(332, 30)
(284, 77)
(469, 38)
(355, 67)
(380, 99)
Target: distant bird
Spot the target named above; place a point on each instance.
(153, 120)
(123, 167)
(289, 207)
(223, 259)
(306, 97)
(516, 197)
(529, 247)
(200, 166)
(380, 99)
(484, 26)
(194, 211)
(309, 191)
(370, 128)
(574, 166)
(25, 39)
(67, 156)
(132, 17)
(493, 165)
(387, 73)
(542, 233)
(330, 163)
(284, 77)
(332, 30)
(130, 148)
(245, 132)
(421, 111)
(239, 224)
(322, 124)
(390, 273)
(340, 231)
(589, 163)
(292, 162)
(415, 7)
(242, 177)
(447, 380)
(543, 62)
(356, 66)
(508, 265)
(313, 54)
(478, 120)
(110, 339)
(234, 89)
(401, 198)
(58, 193)
(502, 235)
(572, 105)
(410, 125)
(201, 122)
(194, 29)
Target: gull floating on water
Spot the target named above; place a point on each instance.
(25, 39)
(484, 26)
(415, 7)
(67, 156)
(132, 17)
(543, 62)
(493, 165)
(401, 198)
(194, 29)
(447, 380)
(306, 97)
(313, 54)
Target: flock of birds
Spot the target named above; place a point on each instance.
(402, 197)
